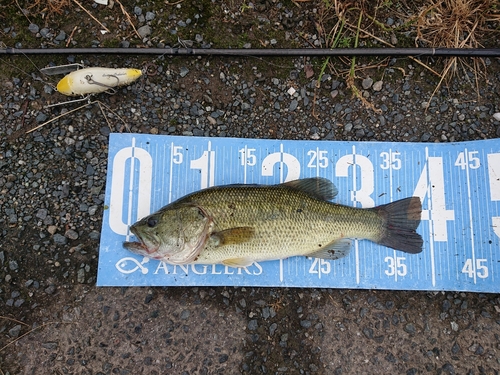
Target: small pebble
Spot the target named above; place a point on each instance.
(61, 36)
(59, 239)
(410, 328)
(144, 31)
(50, 289)
(252, 325)
(33, 28)
(454, 326)
(377, 86)
(94, 235)
(50, 345)
(183, 71)
(367, 83)
(13, 266)
(368, 332)
(45, 33)
(305, 323)
(71, 234)
(272, 329)
(14, 331)
(42, 213)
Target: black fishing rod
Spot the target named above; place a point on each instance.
(261, 52)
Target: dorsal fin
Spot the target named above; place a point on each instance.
(319, 187)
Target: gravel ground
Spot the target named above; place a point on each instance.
(52, 184)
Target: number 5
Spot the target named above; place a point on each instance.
(177, 156)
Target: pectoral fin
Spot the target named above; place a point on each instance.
(233, 236)
(238, 262)
(334, 250)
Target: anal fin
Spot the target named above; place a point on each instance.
(238, 262)
(334, 250)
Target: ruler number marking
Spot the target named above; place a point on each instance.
(177, 155)
(468, 159)
(133, 165)
(282, 159)
(248, 156)
(480, 270)
(319, 267)
(494, 178)
(318, 158)
(390, 160)
(431, 185)
(366, 181)
(206, 164)
(396, 266)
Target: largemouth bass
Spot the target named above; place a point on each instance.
(236, 225)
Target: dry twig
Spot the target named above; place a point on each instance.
(456, 24)
(30, 331)
(71, 36)
(91, 16)
(129, 19)
(51, 7)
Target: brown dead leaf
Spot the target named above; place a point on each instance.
(308, 69)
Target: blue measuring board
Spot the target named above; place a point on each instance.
(459, 184)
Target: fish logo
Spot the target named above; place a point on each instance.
(123, 265)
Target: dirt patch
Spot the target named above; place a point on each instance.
(131, 331)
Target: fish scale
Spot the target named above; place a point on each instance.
(287, 222)
(256, 223)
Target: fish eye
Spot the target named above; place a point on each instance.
(152, 222)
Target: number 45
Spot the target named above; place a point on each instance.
(481, 270)
(469, 159)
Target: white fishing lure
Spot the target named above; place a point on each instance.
(96, 80)
(86, 82)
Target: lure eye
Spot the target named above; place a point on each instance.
(152, 222)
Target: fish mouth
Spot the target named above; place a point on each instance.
(135, 247)
(139, 247)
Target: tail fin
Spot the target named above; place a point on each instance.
(401, 219)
